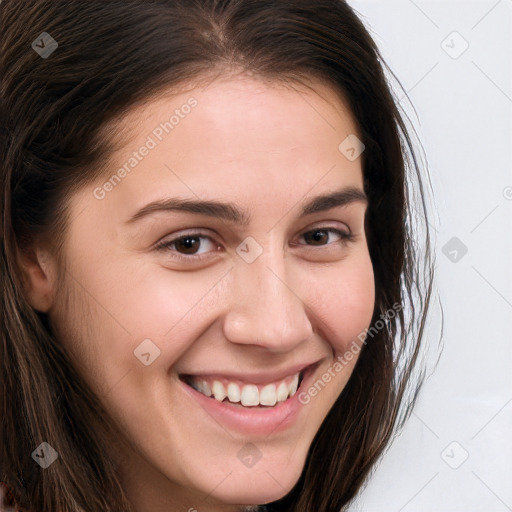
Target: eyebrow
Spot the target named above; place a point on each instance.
(231, 213)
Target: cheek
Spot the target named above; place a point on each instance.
(121, 308)
(164, 304)
(343, 302)
(125, 306)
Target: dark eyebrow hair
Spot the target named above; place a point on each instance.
(231, 213)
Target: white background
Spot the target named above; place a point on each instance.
(464, 111)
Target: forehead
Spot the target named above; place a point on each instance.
(239, 106)
(235, 138)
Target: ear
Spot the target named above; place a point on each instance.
(39, 277)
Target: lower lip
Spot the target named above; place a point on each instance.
(255, 421)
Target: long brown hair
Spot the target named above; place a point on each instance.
(54, 111)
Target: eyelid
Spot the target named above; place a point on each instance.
(163, 245)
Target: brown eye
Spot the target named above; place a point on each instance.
(320, 236)
(188, 244)
(189, 247)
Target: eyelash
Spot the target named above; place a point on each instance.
(167, 244)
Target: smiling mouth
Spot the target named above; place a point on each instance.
(245, 394)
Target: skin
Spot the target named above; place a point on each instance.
(267, 148)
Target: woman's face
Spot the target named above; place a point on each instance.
(237, 308)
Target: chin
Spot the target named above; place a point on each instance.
(257, 489)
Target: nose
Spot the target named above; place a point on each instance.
(264, 308)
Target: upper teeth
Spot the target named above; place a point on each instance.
(248, 394)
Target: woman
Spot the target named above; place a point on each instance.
(207, 256)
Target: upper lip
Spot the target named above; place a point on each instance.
(252, 377)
